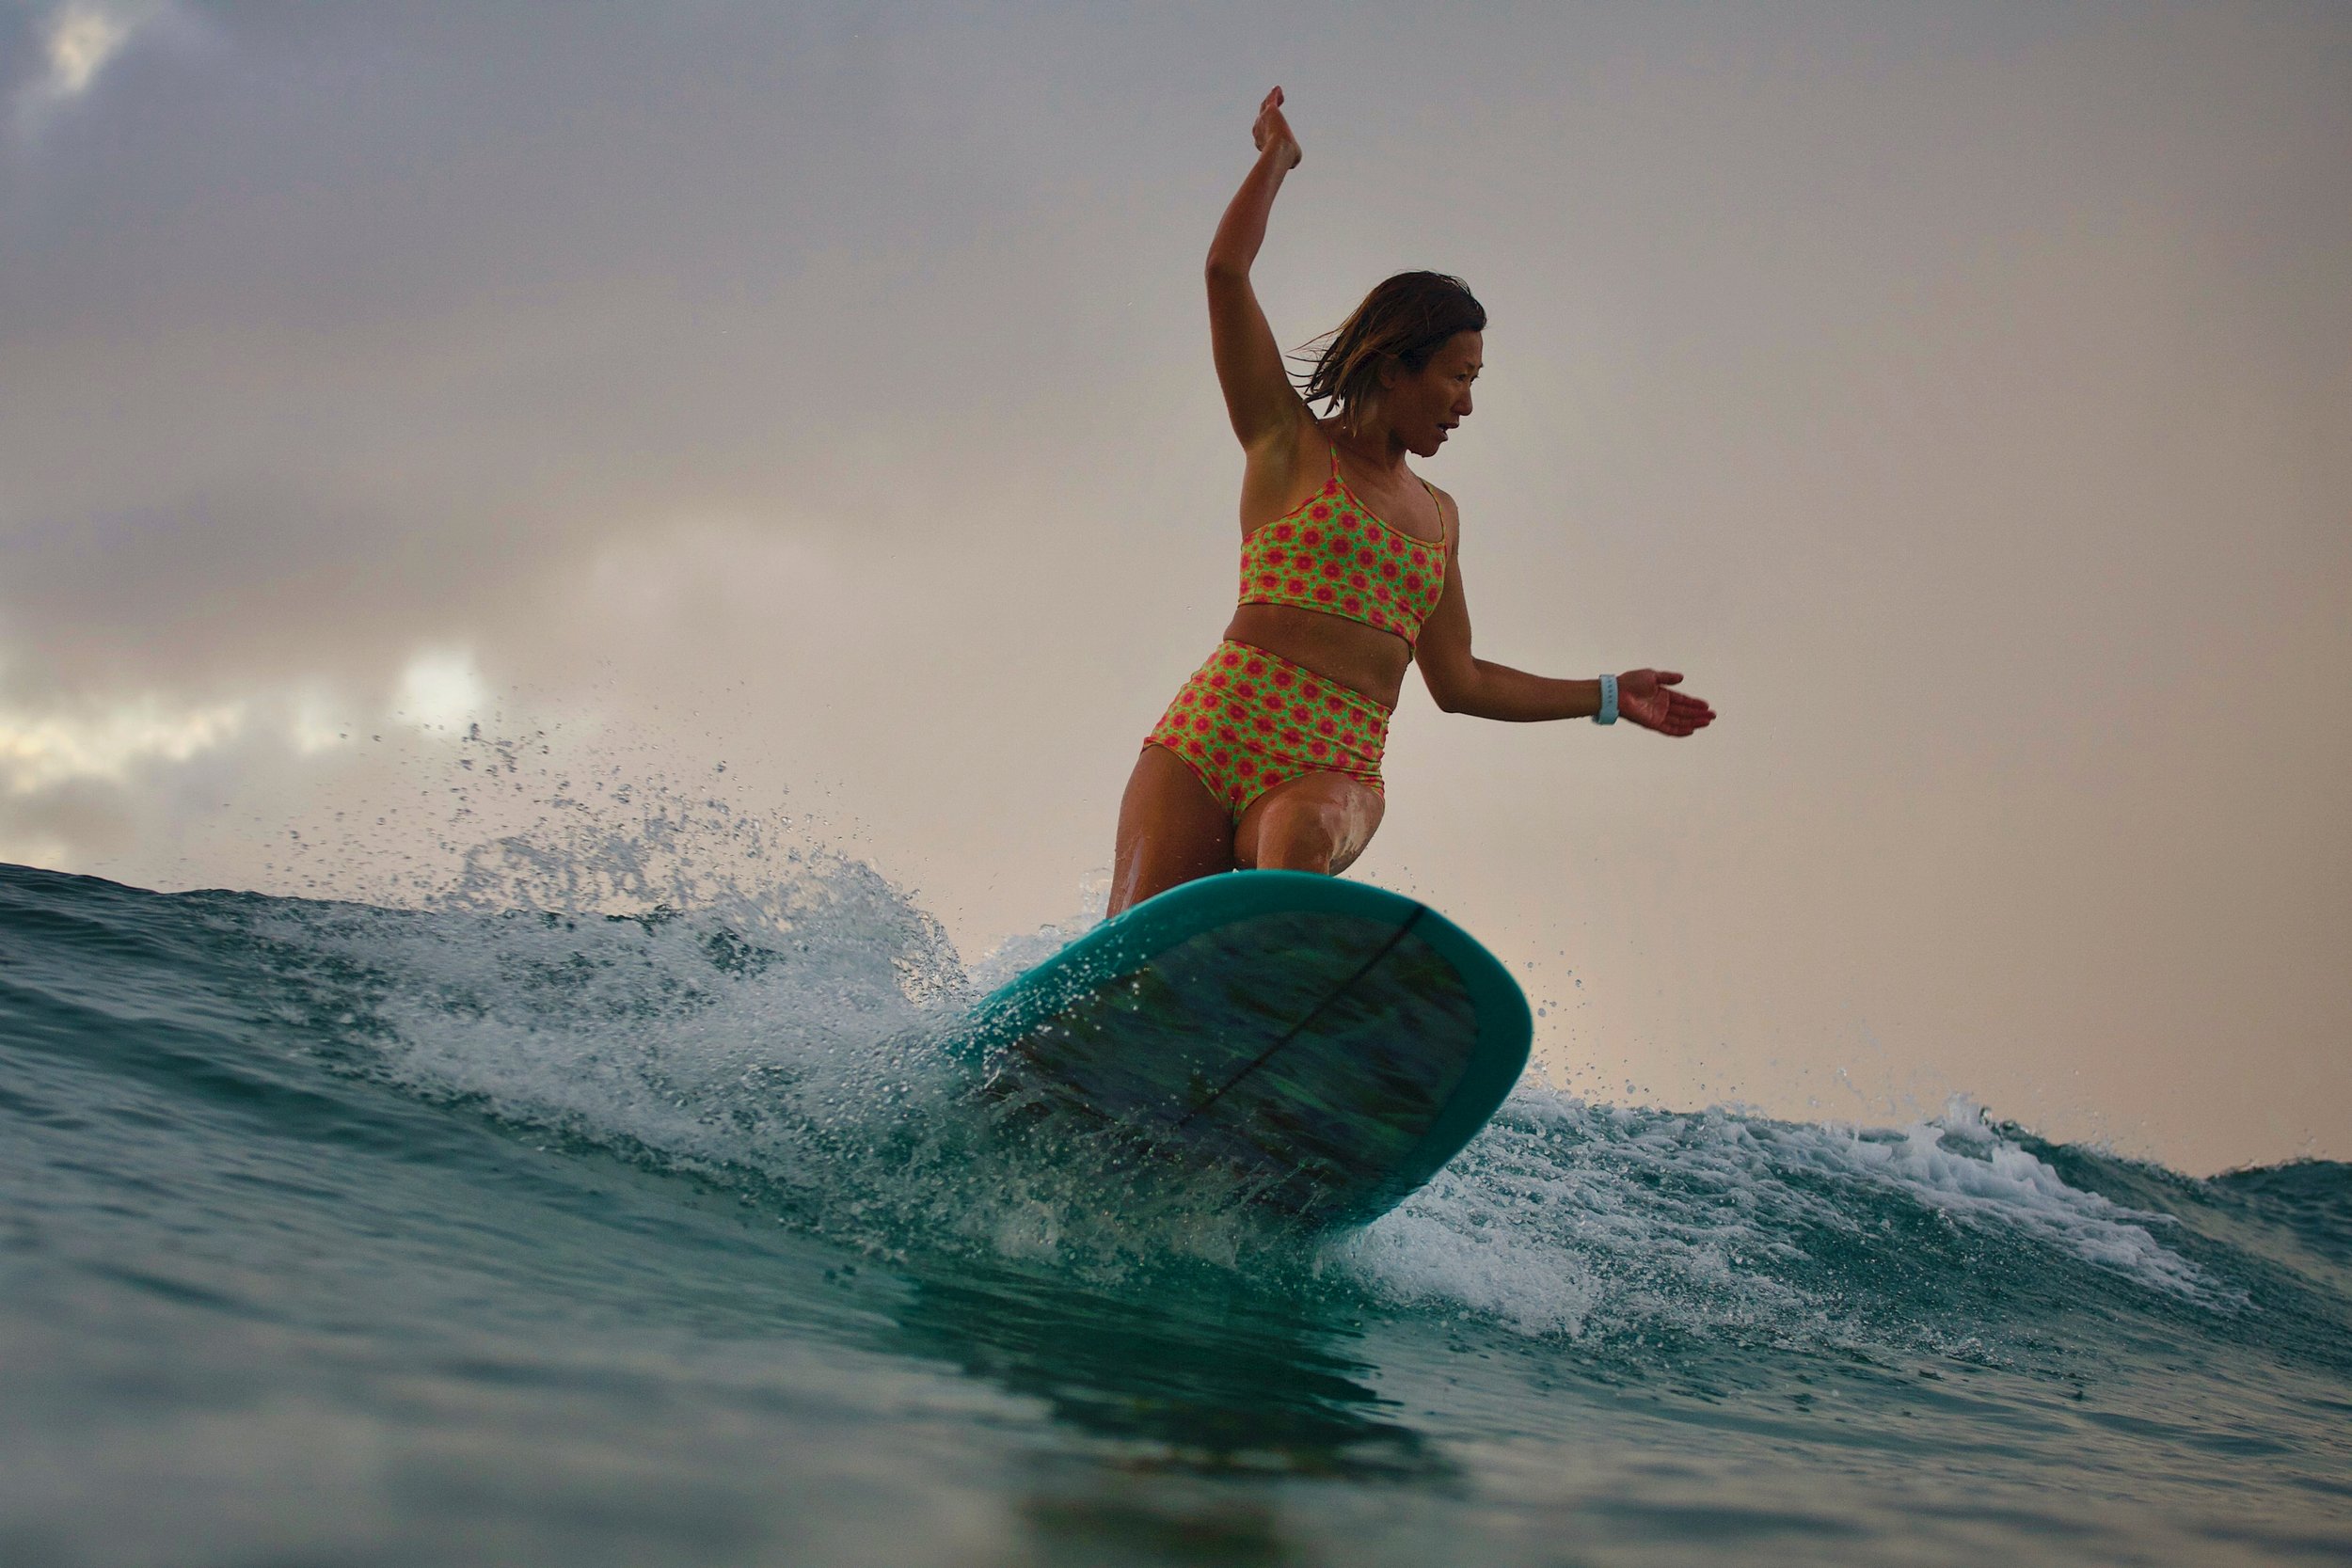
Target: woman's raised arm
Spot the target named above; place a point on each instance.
(1258, 397)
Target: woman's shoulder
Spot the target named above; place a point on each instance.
(1449, 511)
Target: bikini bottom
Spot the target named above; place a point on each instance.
(1248, 720)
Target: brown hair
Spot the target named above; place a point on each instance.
(1407, 318)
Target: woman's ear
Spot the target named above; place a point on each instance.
(1392, 372)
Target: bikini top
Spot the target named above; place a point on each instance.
(1332, 555)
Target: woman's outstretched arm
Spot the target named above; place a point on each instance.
(1460, 682)
(1258, 392)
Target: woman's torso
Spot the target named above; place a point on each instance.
(1357, 655)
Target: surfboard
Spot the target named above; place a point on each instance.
(1318, 1046)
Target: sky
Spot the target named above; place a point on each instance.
(809, 407)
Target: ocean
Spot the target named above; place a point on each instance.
(333, 1233)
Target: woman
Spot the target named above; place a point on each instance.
(1270, 755)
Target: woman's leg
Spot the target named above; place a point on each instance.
(1316, 822)
(1171, 830)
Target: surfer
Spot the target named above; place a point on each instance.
(1270, 755)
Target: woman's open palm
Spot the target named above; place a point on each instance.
(1647, 698)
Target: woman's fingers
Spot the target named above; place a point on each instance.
(1646, 698)
(1677, 713)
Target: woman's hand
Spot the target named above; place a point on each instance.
(1272, 130)
(1648, 699)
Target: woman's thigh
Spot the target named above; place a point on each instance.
(1316, 822)
(1172, 830)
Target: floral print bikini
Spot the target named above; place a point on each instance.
(1250, 719)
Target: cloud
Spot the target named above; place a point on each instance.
(39, 752)
(82, 39)
(85, 779)
(106, 740)
(75, 42)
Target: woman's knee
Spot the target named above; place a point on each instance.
(1298, 836)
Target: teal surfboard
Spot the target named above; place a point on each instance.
(1318, 1046)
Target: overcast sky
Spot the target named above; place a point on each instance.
(1962, 394)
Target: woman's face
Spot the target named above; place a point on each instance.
(1423, 407)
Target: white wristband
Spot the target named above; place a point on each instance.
(1608, 714)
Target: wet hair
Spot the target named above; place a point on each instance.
(1407, 318)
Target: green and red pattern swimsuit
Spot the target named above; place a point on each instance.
(1250, 719)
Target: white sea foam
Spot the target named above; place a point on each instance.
(1564, 1216)
(1562, 1211)
(1995, 1183)
(769, 1024)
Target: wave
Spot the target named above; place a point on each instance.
(784, 1053)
